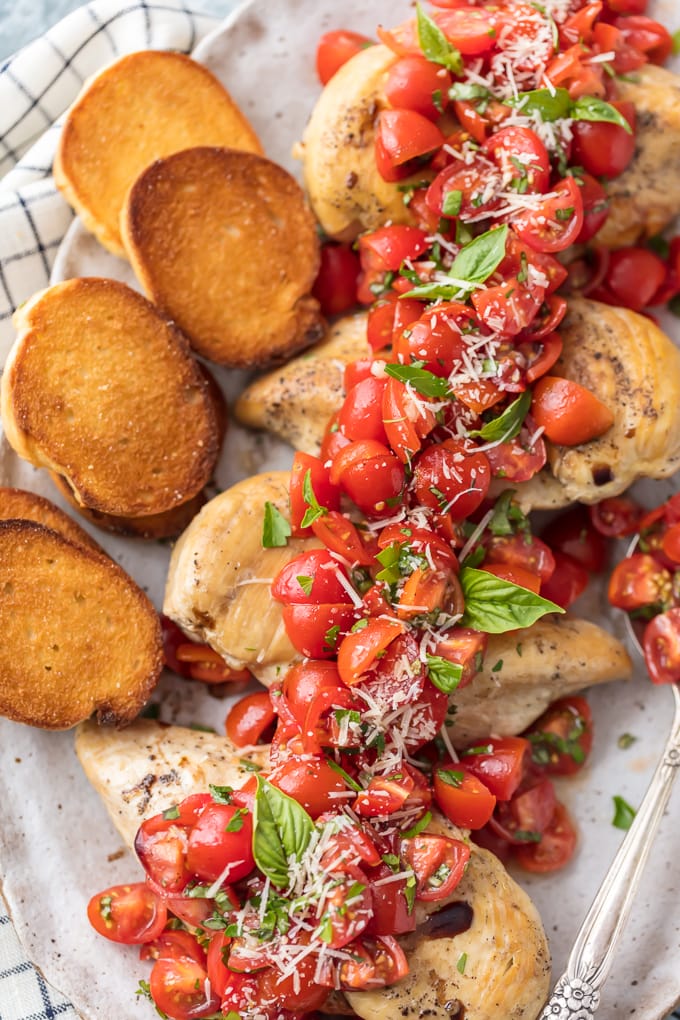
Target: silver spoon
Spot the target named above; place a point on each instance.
(577, 992)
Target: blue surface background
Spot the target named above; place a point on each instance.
(24, 20)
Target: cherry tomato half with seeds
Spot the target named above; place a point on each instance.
(616, 516)
(562, 738)
(132, 914)
(179, 989)
(438, 862)
(556, 222)
(522, 157)
(639, 581)
(556, 847)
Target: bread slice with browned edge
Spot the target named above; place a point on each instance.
(20, 504)
(78, 635)
(144, 106)
(100, 388)
(224, 243)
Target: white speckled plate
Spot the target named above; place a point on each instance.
(58, 846)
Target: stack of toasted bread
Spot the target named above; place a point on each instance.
(102, 387)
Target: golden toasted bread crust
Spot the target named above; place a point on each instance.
(98, 387)
(19, 504)
(224, 243)
(79, 636)
(169, 524)
(144, 106)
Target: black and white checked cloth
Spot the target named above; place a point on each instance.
(37, 84)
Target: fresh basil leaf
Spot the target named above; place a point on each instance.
(496, 606)
(416, 829)
(481, 257)
(436, 290)
(435, 45)
(220, 794)
(548, 104)
(427, 383)
(623, 813)
(592, 108)
(275, 528)
(462, 960)
(171, 813)
(352, 783)
(235, 823)
(443, 674)
(508, 424)
(389, 558)
(305, 583)
(468, 91)
(314, 510)
(281, 829)
(451, 777)
(453, 200)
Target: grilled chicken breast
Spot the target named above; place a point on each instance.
(345, 190)
(645, 198)
(222, 548)
(220, 573)
(149, 767)
(296, 401)
(527, 669)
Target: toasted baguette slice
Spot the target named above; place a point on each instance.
(143, 106)
(223, 243)
(168, 524)
(100, 388)
(79, 636)
(19, 504)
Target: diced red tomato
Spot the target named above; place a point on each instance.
(556, 847)
(360, 649)
(325, 493)
(450, 479)
(572, 533)
(311, 782)
(463, 797)
(335, 287)
(499, 763)
(634, 276)
(562, 738)
(370, 474)
(438, 862)
(221, 839)
(132, 914)
(314, 630)
(555, 223)
(250, 719)
(521, 156)
(334, 49)
(604, 149)
(569, 413)
(661, 645)
(401, 137)
(567, 583)
(414, 83)
(311, 577)
(464, 647)
(616, 517)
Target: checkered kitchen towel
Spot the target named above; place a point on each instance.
(36, 85)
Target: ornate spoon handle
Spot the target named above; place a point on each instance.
(577, 993)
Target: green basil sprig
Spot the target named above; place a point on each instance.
(496, 606)
(508, 424)
(281, 829)
(275, 528)
(444, 674)
(472, 265)
(424, 382)
(558, 104)
(435, 45)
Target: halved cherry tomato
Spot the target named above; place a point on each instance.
(249, 720)
(438, 862)
(311, 782)
(174, 944)
(298, 993)
(498, 762)
(572, 533)
(373, 966)
(391, 915)
(521, 157)
(463, 797)
(216, 964)
(449, 479)
(194, 911)
(387, 247)
(515, 574)
(555, 222)
(507, 308)
(132, 914)
(464, 647)
(335, 287)
(569, 413)
(595, 207)
(179, 989)
(634, 276)
(311, 577)
(220, 844)
(401, 137)
(556, 847)
(361, 413)
(470, 30)
(670, 543)
(562, 738)
(523, 551)
(406, 421)
(435, 338)
(646, 35)
(359, 650)
(370, 474)
(639, 581)
(604, 149)
(616, 516)
(305, 466)
(314, 630)
(568, 582)
(661, 643)
(414, 83)
(474, 186)
(341, 536)
(520, 458)
(334, 49)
